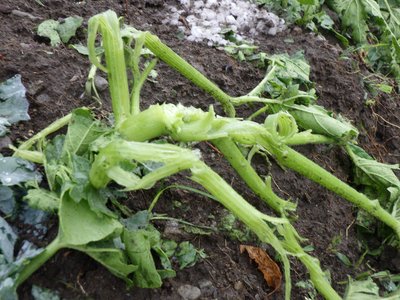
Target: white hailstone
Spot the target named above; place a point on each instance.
(198, 4)
(273, 30)
(230, 19)
(191, 18)
(211, 3)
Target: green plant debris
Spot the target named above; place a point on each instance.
(59, 32)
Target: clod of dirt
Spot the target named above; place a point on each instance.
(189, 292)
(172, 230)
(207, 288)
(100, 83)
(4, 142)
(208, 20)
(43, 99)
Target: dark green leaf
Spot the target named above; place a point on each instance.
(308, 2)
(13, 103)
(7, 240)
(7, 200)
(15, 170)
(353, 15)
(8, 290)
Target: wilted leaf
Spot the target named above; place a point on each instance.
(318, 119)
(138, 245)
(272, 273)
(371, 172)
(13, 103)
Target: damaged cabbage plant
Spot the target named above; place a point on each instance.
(81, 165)
(285, 75)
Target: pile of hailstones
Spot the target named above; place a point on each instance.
(207, 20)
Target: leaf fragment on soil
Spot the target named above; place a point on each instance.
(269, 268)
(48, 29)
(59, 32)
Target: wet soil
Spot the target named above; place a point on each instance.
(55, 78)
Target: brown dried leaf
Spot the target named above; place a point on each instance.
(269, 268)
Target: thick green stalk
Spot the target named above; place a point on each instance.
(232, 153)
(108, 25)
(317, 276)
(53, 127)
(299, 163)
(146, 125)
(166, 54)
(299, 139)
(36, 262)
(259, 89)
(137, 87)
(249, 215)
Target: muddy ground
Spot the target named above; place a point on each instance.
(55, 78)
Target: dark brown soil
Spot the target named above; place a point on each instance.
(55, 79)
